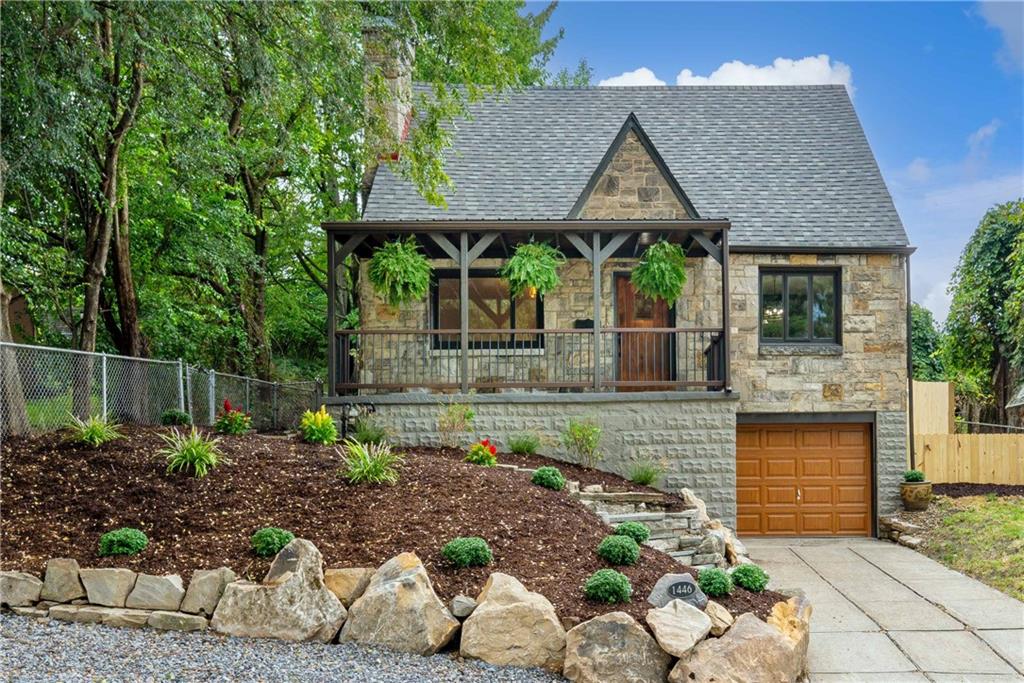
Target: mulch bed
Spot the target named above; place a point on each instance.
(59, 498)
(961, 490)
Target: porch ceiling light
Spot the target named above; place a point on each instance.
(646, 238)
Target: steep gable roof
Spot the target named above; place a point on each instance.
(788, 165)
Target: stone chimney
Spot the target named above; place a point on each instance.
(387, 94)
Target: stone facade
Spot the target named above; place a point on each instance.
(692, 438)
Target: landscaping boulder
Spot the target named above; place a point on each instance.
(125, 618)
(613, 647)
(513, 626)
(61, 583)
(205, 589)
(749, 651)
(156, 592)
(292, 603)
(108, 587)
(348, 584)
(400, 610)
(691, 499)
(720, 617)
(85, 614)
(677, 587)
(462, 606)
(793, 619)
(678, 627)
(176, 621)
(18, 589)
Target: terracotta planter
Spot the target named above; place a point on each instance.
(916, 495)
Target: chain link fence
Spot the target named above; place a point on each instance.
(41, 387)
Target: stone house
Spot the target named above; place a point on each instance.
(775, 386)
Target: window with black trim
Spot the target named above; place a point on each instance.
(800, 306)
(491, 307)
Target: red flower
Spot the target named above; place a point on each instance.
(492, 449)
(227, 406)
(486, 442)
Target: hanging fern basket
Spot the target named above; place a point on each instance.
(661, 272)
(399, 272)
(533, 268)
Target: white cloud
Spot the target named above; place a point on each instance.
(807, 71)
(919, 170)
(979, 143)
(642, 76)
(1008, 19)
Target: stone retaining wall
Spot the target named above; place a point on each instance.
(691, 437)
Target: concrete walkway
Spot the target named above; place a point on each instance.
(883, 612)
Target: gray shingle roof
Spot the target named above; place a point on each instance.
(789, 165)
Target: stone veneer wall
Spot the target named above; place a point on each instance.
(692, 438)
(890, 458)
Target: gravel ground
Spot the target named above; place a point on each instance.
(34, 651)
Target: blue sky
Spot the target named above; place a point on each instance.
(938, 87)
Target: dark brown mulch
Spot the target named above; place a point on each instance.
(58, 499)
(961, 490)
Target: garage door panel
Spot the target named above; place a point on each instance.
(812, 479)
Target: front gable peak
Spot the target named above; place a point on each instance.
(632, 181)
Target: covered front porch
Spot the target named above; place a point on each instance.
(595, 333)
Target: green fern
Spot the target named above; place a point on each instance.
(661, 272)
(533, 265)
(399, 272)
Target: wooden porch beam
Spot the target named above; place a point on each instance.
(446, 246)
(464, 260)
(481, 244)
(580, 245)
(614, 243)
(703, 240)
(348, 247)
(727, 382)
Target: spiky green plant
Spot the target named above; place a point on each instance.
(371, 463)
(94, 431)
(192, 451)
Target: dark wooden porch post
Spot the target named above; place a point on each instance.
(595, 260)
(332, 327)
(727, 383)
(464, 311)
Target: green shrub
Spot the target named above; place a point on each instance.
(619, 550)
(751, 577)
(455, 419)
(608, 585)
(318, 427)
(399, 272)
(191, 451)
(366, 429)
(123, 541)
(635, 530)
(231, 420)
(269, 541)
(175, 417)
(94, 431)
(714, 582)
(525, 443)
(371, 463)
(581, 438)
(645, 473)
(661, 272)
(549, 478)
(913, 476)
(482, 453)
(471, 551)
(533, 265)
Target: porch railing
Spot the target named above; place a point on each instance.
(562, 360)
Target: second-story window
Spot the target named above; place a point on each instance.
(800, 306)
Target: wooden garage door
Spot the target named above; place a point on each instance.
(803, 479)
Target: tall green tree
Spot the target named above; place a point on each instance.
(925, 340)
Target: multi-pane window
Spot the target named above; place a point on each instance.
(799, 306)
(491, 308)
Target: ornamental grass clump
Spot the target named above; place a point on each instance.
(482, 453)
(371, 463)
(619, 550)
(399, 272)
(644, 473)
(232, 420)
(549, 478)
(714, 582)
(366, 429)
(661, 272)
(751, 577)
(318, 427)
(191, 452)
(471, 551)
(174, 417)
(94, 431)
(269, 541)
(581, 438)
(524, 443)
(123, 541)
(533, 268)
(635, 530)
(608, 586)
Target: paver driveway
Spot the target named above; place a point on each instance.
(883, 612)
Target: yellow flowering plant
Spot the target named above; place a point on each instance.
(318, 427)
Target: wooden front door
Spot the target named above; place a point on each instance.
(644, 357)
(803, 479)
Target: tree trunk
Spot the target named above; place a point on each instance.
(130, 340)
(13, 417)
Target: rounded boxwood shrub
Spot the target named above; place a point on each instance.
(635, 530)
(173, 416)
(124, 541)
(549, 478)
(608, 585)
(714, 582)
(619, 550)
(471, 551)
(751, 577)
(268, 541)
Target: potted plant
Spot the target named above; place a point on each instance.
(533, 269)
(661, 272)
(915, 491)
(399, 272)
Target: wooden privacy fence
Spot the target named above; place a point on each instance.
(971, 458)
